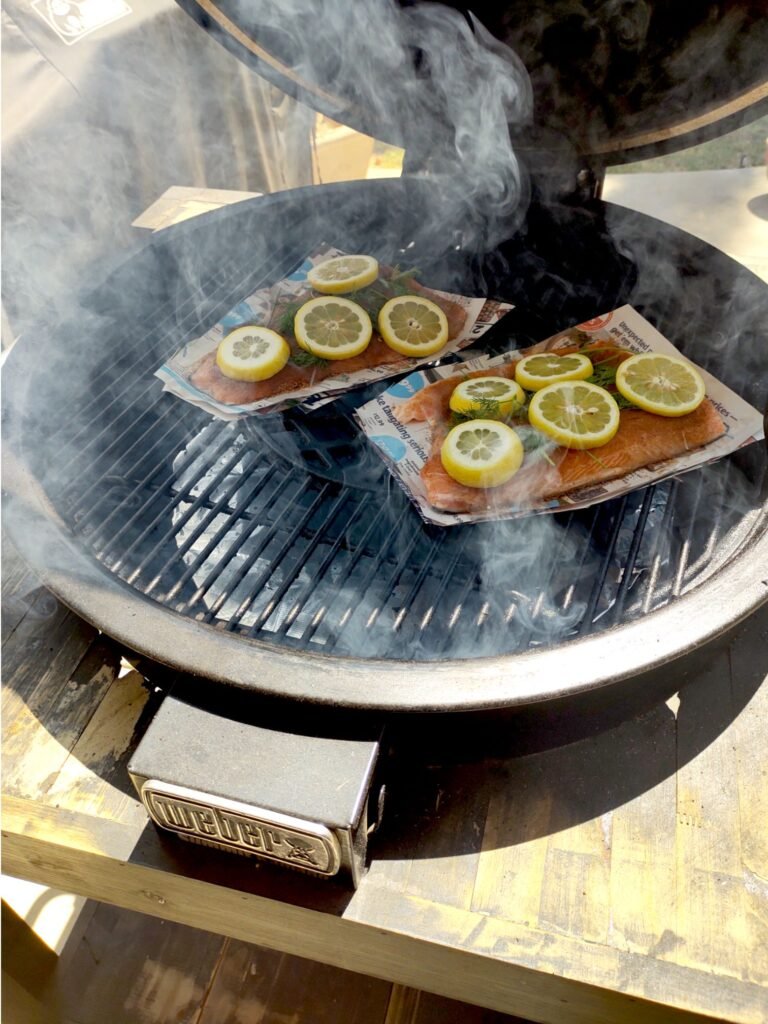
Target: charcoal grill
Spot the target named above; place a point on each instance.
(277, 556)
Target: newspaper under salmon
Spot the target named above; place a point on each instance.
(643, 439)
(208, 378)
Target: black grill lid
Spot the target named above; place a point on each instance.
(621, 79)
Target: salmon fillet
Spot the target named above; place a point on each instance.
(208, 378)
(432, 400)
(642, 440)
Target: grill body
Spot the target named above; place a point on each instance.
(278, 556)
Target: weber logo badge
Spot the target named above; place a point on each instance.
(242, 828)
(73, 19)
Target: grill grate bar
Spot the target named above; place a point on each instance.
(211, 513)
(409, 621)
(252, 525)
(586, 547)
(387, 583)
(301, 561)
(109, 454)
(164, 511)
(239, 576)
(631, 559)
(708, 548)
(534, 616)
(421, 575)
(175, 326)
(346, 572)
(86, 439)
(257, 584)
(243, 506)
(319, 575)
(602, 574)
(177, 499)
(448, 633)
(143, 485)
(442, 585)
(685, 550)
(662, 535)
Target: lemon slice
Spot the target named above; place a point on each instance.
(332, 328)
(482, 453)
(252, 353)
(666, 385)
(495, 396)
(413, 326)
(342, 274)
(575, 414)
(535, 372)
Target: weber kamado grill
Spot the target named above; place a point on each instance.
(275, 561)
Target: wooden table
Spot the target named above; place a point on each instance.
(620, 878)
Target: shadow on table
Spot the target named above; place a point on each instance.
(759, 206)
(552, 773)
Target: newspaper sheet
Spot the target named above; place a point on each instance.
(180, 374)
(406, 447)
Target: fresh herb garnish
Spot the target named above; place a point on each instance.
(580, 338)
(401, 281)
(375, 295)
(536, 443)
(605, 377)
(284, 322)
(487, 409)
(308, 359)
(592, 455)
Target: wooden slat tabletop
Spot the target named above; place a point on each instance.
(619, 878)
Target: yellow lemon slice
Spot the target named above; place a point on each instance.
(332, 328)
(575, 414)
(342, 274)
(666, 385)
(535, 372)
(413, 326)
(482, 453)
(492, 396)
(252, 353)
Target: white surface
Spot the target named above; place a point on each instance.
(49, 913)
(728, 209)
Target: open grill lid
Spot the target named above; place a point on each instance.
(622, 80)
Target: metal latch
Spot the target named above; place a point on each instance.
(303, 801)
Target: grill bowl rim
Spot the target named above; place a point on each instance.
(623, 652)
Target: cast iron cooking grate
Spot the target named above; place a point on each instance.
(236, 527)
(288, 529)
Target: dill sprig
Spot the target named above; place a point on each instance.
(283, 324)
(303, 358)
(375, 295)
(605, 377)
(591, 454)
(488, 409)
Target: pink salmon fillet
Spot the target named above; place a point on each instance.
(208, 378)
(642, 440)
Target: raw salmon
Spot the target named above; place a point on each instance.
(208, 378)
(642, 440)
(431, 400)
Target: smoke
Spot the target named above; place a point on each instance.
(427, 78)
